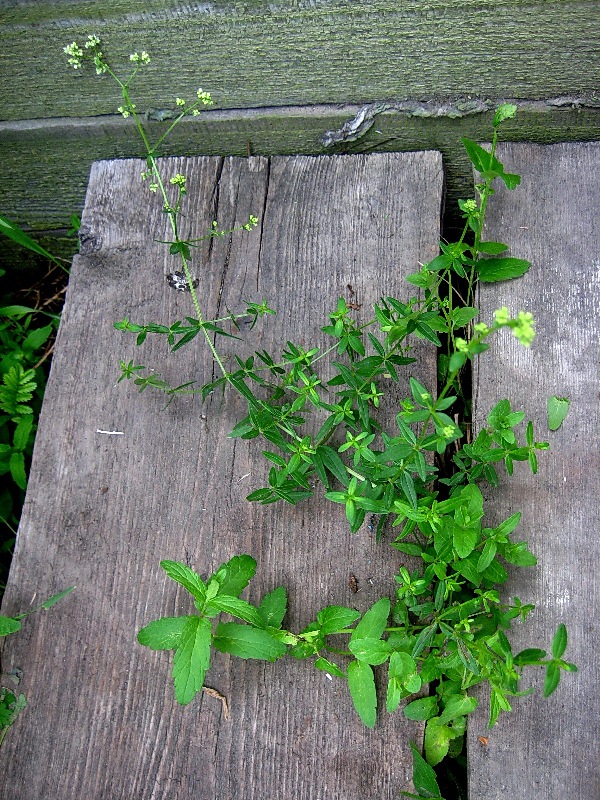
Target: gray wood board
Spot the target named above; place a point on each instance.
(543, 750)
(102, 511)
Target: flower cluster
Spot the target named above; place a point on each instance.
(140, 58)
(77, 54)
(126, 111)
(521, 326)
(204, 97)
(179, 180)
(252, 223)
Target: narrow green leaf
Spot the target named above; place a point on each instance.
(237, 608)
(361, 683)
(424, 640)
(552, 679)
(487, 556)
(559, 643)
(328, 666)
(36, 338)
(558, 408)
(492, 248)
(244, 641)
(192, 659)
(333, 463)
(20, 237)
(22, 431)
(51, 601)
(393, 694)
(529, 656)
(17, 470)
(17, 311)
(165, 633)
(186, 578)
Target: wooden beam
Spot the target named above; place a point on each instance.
(251, 54)
(46, 162)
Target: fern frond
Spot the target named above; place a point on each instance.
(18, 387)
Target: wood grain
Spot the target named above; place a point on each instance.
(47, 162)
(252, 54)
(284, 72)
(545, 749)
(101, 511)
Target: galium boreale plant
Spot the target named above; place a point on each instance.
(446, 626)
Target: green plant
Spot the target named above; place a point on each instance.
(10, 705)
(446, 628)
(24, 347)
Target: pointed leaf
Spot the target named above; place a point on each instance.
(371, 651)
(374, 621)
(335, 618)
(235, 575)
(458, 706)
(328, 666)
(165, 633)
(361, 683)
(424, 779)
(559, 643)
(22, 431)
(558, 408)
(244, 641)
(51, 601)
(186, 577)
(237, 608)
(192, 659)
(393, 694)
(273, 607)
(491, 270)
(552, 679)
(9, 625)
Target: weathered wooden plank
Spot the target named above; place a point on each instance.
(253, 54)
(441, 58)
(101, 511)
(543, 750)
(46, 163)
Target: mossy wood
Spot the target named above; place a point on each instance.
(544, 749)
(103, 509)
(283, 74)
